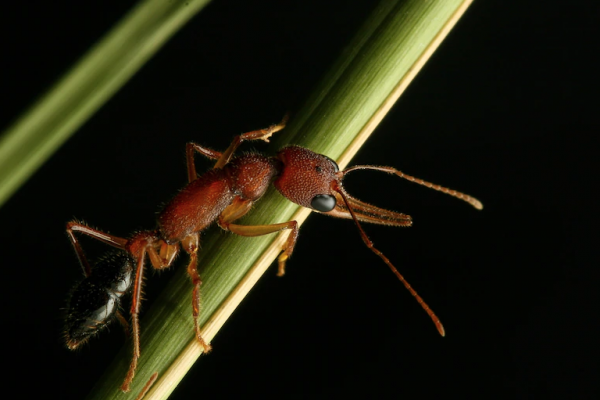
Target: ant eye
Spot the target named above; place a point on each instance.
(335, 166)
(323, 202)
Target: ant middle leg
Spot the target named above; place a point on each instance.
(260, 134)
(189, 156)
(225, 157)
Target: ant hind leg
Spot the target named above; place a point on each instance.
(80, 227)
(191, 244)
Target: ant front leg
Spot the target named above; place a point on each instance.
(240, 207)
(260, 230)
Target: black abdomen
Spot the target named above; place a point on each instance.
(96, 300)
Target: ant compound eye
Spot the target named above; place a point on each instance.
(323, 202)
(335, 166)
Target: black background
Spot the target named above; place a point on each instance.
(506, 110)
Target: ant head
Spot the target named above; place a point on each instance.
(308, 178)
(314, 181)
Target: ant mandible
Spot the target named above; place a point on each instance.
(223, 194)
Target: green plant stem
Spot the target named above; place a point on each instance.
(380, 61)
(34, 136)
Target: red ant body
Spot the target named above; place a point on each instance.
(223, 194)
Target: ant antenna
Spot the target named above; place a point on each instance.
(370, 245)
(471, 200)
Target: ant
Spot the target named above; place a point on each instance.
(223, 194)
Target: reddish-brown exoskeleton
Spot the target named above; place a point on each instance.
(223, 194)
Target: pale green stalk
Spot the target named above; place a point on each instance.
(386, 53)
(107, 66)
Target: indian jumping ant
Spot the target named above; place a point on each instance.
(223, 194)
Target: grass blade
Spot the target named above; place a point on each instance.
(34, 136)
(380, 62)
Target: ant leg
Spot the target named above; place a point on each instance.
(259, 230)
(223, 158)
(262, 134)
(123, 323)
(139, 245)
(80, 227)
(189, 155)
(134, 312)
(237, 209)
(147, 386)
(190, 245)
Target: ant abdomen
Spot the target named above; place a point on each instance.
(97, 299)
